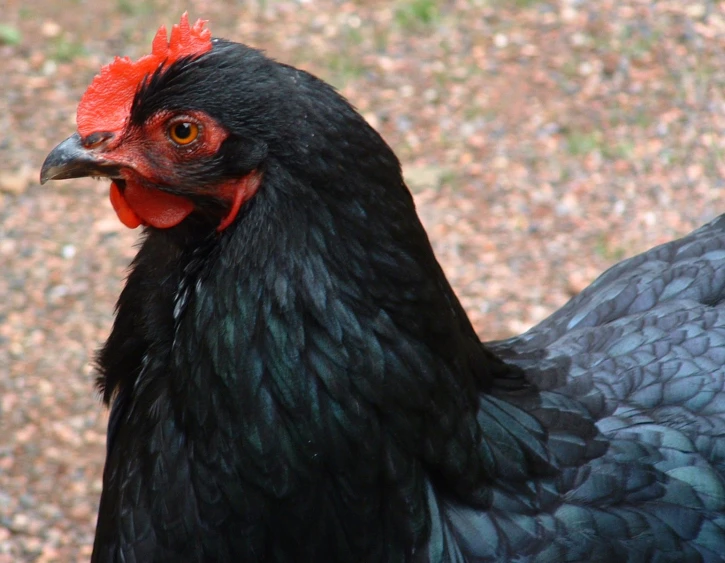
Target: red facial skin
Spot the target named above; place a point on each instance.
(150, 158)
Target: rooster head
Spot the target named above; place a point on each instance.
(199, 128)
(143, 125)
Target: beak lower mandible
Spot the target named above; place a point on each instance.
(70, 159)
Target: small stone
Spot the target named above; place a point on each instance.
(19, 522)
(108, 226)
(420, 177)
(50, 67)
(50, 29)
(68, 251)
(15, 182)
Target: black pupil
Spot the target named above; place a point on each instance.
(182, 130)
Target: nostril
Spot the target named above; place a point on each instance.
(95, 139)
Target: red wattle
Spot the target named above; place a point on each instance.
(122, 209)
(138, 205)
(239, 192)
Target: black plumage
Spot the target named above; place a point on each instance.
(305, 385)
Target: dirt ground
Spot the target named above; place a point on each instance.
(544, 141)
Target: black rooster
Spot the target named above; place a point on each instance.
(293, 379)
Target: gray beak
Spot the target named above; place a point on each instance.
(70, 159)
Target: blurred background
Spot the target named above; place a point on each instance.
(543, 140)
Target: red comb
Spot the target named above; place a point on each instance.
(106, 104)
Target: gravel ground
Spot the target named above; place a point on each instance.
(544, 141)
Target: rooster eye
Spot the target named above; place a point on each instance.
(183, 132)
